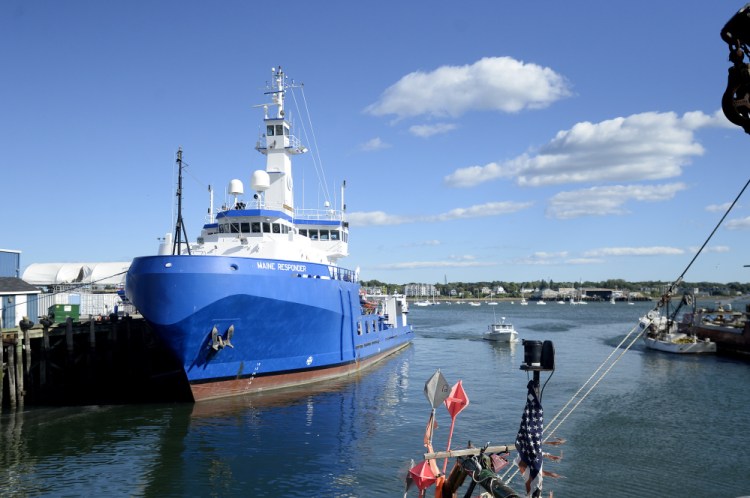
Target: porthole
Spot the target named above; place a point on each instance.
(233, 266)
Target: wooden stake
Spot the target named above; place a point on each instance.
(45, 354)
(2, 370)
(19, 368)
(12, 376)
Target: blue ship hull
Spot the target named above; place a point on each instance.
(241, 325)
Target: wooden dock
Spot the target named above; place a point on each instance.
(110, 360)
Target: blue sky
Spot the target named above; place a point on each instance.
(480, 140)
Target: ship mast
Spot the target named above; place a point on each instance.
(179, 227)
(278, 145)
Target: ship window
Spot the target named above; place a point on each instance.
(279, 130)
(269, 130)
(255, 227)
(235, 227)
(367, 327)
(334, 235)
(245, 228)
(275, 228)
(324, 235)
(284, 229)
(314, 234)
(359, 328)
(266, 227)
(303, 232)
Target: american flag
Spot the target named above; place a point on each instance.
(529, 442)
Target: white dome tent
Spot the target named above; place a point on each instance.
(91, 285)
(52, 274)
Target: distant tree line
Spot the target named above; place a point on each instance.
(513, 289)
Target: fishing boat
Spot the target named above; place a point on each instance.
(501, 332)
(259, 301)
(661, 332)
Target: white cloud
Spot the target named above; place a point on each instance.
(600, 201)
(633, 251)
(376, 218)
(411, 265)
(738, 224)
(543, 258)
(718, 208)
(478, 211)
(424, 243)
(426, 131)
(490, 84)
(374, 144)
(584, 261)
(647, 146)
(717, 249)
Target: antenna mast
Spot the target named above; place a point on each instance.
(179, 228)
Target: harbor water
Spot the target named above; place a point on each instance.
(656, 425)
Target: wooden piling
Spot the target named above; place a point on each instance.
(19, 368)
(45, 354)
(69, 337)
(27, 352)
(2, 370)
(12, 376)
(92, 334)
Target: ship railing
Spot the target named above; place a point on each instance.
(319, 214)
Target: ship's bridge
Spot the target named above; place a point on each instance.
(324, 230)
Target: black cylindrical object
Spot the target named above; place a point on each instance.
(532, 353)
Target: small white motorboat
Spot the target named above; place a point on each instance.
(501, 332)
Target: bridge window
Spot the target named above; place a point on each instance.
(324, 235)
(303, 232)
(269, 130)
(314, 234)
(266, 227)
(255, 227)
(276, 228)
(279, 130)
(334, 235)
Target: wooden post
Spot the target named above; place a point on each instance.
(45, 353)
(27, 351)
(91, 363)
(92, 334)
(69, 337)
(19, 368)
(12, 376)
(2, 370)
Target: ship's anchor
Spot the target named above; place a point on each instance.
(218, 342)
(736, 99)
